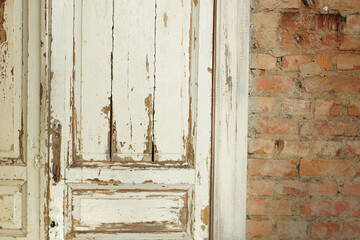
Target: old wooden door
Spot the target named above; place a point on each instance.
(19, 121)
(130, 119)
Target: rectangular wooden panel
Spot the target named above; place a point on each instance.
(133, 80)
(12, 207)
(172, 101)
(91, 93)
(10, 81)
(140, 209)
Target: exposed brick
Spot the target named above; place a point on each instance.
(307, 21)
(354, 147)
(266, 20)
(307, 40)
(273, 125)
(351, 230)
(348, 61)
(350, 43)
(295, 106)
(296, 21)
(263, 61)
(272, 4)
(291, 229)
(287, 41)
(328, 128)
(327, 148)
(349, 4)
(328, 168)
(310, 69)
(269, 207)
(262, 167)
(260, 188)
(354, 108)
(329, 188)
(353, 22)
(293, 62)
(291, 188)
(258, 227)
(352, 189)
(331, 84)
(274, 84)
(264, 38)
(261, 146)
(327, 230)
(325, 61)
(263, 104)
(331, 41)
(324, 107)
(293, 148)
(328, 209)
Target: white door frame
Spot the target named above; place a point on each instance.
(230, 70)
(231, 118)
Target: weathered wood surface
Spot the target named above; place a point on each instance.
(128, 87)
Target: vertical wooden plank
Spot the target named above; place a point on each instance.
(97, 23)
(172, 78)
(232, 71)
(11, 76)
(133, 79)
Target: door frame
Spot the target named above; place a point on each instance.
(230, 117)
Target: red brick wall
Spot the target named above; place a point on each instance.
(304, 138)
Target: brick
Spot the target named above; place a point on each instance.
(331, 84)
(291, 229)
(307, 21)
(324, 61)
(350, 43)
(327, 148)
(353, 22)
(273, 125)
(287, 41)
(261, 146)
(354, 147)
(296, 21)
(352, 189)
(263, 104)
(348, 61)
(258, 227)
(264, 38)
(266, 20)
(260, 188)
(331, 41)
(273, 4)
(274, 84)
(328, 209)
(282, 168)
(327, 230)
(269, 207)
(328, 128)
(351, 230)
(324, 107)
(263, 61)
(310, 69)
(293, 148)
(293, 62)
(328, 168)
(295, 106)
(327, 22)
(349, 4)
(307, 40)
(291, 188)
(329, 188)
(354, 108)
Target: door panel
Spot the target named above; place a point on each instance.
(130, 83)
(19, 209)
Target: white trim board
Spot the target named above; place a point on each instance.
(231, 119)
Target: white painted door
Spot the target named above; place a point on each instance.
(130, 119)
(19, 122)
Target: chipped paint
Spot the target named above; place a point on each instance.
(165, 18)
(56, 149)
(3, 35)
